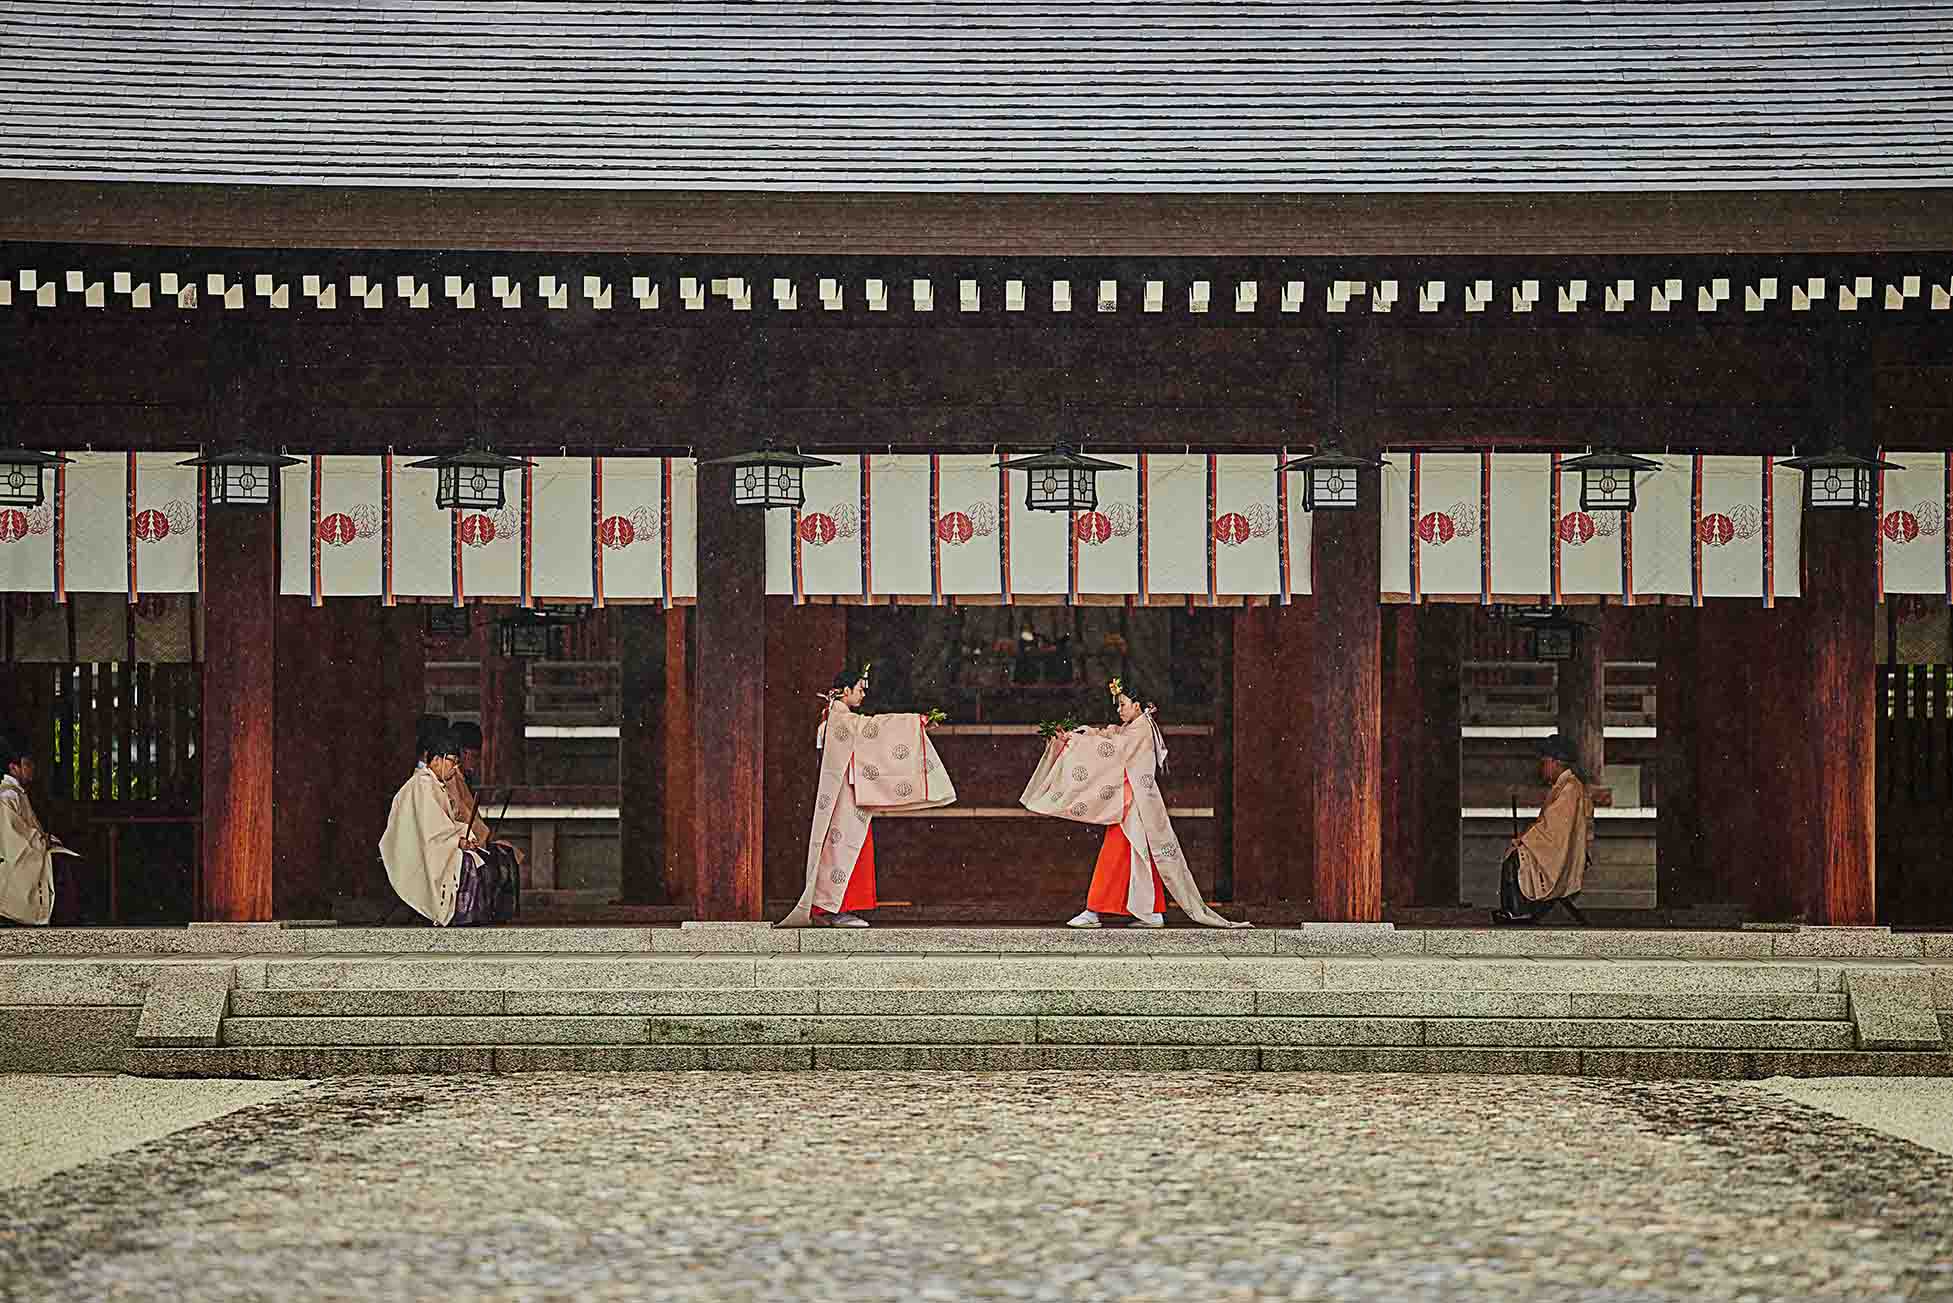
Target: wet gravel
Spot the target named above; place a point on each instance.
(1035, 1186)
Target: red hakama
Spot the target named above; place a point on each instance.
(860, 894)
(1112, 874)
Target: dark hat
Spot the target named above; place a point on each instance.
(1555, 748)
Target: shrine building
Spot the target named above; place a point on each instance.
(595, 252)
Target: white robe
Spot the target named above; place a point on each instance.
(26, 858)
(422, 847)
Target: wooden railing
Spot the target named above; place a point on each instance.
(1915, 736)
(1521, 693)
(126, 732)
(574, 692)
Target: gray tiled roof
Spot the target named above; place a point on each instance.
(1007, 95)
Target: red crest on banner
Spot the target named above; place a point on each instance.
(13, 525)
(338, 529)
(1716, 529)
(477, 530)
(1233, 529)
(1436, 528)
(1094, 527)
(1900, 526)
(1576, 527)
(955, 527)
(152, 526)
(616, 532)
(817, 528)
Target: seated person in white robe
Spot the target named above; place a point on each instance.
(461, 798)
(27, 852)
(1547, 864)
(432, 858)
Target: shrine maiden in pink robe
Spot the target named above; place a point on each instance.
(1111, 777)
(870, 764)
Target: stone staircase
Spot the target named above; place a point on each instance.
(331, 1001)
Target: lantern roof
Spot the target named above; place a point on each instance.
(1836, 458)
(238, 455)
(768, 455)
(469, 456)
(31, 457)
(1609, 459)
(1061, 457)
(1330, 457)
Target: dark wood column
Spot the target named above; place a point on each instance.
(1582, 712)
(1224, 628)
(239, 691)
(1347, 677)
(806, 646)
(1403, 749)
(674, 744)
(503, 704)
(728, 694)
(641, 769)
(1841, 610)
(1273, 827)
(1678, 879)
(1439, 811)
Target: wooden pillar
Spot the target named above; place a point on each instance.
(674, 745)
(1224, 629)
(1273, 825)
(1582, 706)
(806, 647)
(239, 690)
(1347, 674)
(642, 832)
(1439, 812)
(1841, 610)
(728, 692)
(1678, 879)
(504, 700)
(1403, 748)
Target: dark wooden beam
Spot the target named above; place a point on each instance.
(972, 225)
(239, 687)
(674, 744)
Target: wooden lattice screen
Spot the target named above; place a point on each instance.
(126, 732)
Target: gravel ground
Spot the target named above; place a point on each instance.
(55, 1123)
(1019, 1186)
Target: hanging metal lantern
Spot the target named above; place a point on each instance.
(1553, 635)
(1837, 480)
(1607, 479)
(1330, 478)
(1062, 479)
(241, 477)
(469, 480)
(537, 634)
(527, 637)
(769, 477)
(23, 476)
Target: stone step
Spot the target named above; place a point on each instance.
(962, 1029)
(1042, 972)
(1310, 940)
(314, 1061)
(901, 1001)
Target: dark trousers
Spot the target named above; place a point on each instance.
(1514, 901)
